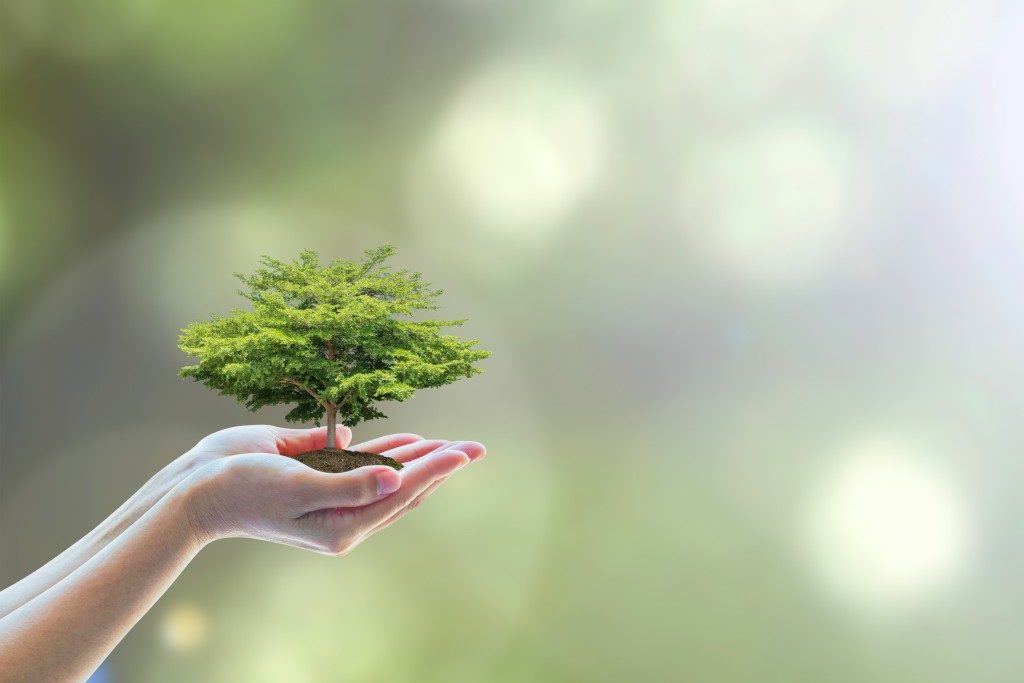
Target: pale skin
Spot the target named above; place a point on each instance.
(60, 623)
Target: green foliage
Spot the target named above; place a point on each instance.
(332, 339)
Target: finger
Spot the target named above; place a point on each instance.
(386, 443)
(473, 449)
(320, 490)
(413, 504)
(294, 441)
(408, 453)
(417, 449)
(416, 477)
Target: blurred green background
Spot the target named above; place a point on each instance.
(751, 273)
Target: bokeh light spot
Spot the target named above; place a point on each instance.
(770, 206)
(887, 527)
(183, 627)
(516, 150)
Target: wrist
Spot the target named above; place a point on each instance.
(195, 496)
(149, 494)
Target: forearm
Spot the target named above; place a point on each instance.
(20, 593)
(66, 632)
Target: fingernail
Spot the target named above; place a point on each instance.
(387, 482)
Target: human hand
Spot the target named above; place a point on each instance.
(222, 444)
(274, 498)
(225, 443)
(259, 439)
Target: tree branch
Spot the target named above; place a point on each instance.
(316, 396)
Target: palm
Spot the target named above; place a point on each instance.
(319, 511)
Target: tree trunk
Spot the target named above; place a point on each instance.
(332, 422)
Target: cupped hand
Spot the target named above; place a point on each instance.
(259, 439)
(274, 498)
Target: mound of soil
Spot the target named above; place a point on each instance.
(340, 460)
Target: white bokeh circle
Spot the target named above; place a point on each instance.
(517, 148)
(886, 527)
(770, 206)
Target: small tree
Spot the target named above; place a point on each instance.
(333, 340)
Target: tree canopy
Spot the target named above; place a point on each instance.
(332, 339)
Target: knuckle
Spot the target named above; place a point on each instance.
(364, 490)
(370, 492)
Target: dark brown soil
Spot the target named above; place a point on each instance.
(340, 460)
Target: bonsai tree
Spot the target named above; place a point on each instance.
(332, 340)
